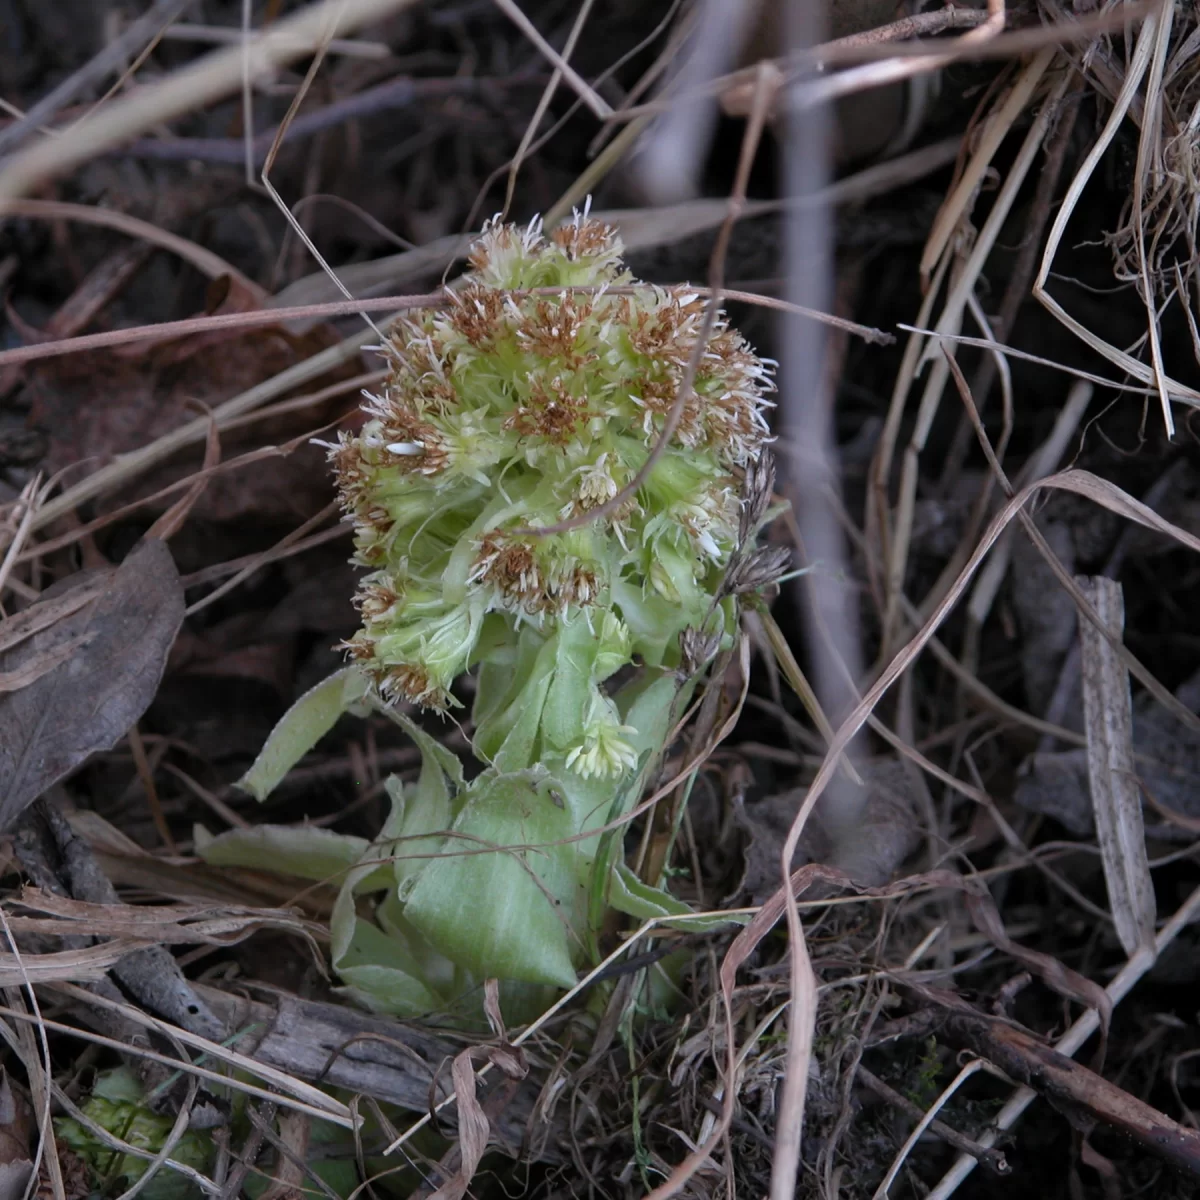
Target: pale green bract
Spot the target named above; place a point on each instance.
(531, 399)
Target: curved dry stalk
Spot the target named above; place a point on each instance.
(41, 1077)
(1147, 51)
(216, 76)
(598, 106)
(168, 330)
(949, 322)
(1080, 482)
(136, 462)
(291, 1093)
(146, 29)
(204, 260)
(976, 1064)
(543, 104)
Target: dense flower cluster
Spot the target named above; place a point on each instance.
(534, 397)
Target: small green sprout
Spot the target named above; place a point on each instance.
(532, 399)
(117, 1104)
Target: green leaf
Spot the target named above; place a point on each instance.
(308, 853)
(628, 894)
(510, 737)
(302, 727)
(504, 913)
(416, 830)
(572, 684)
(433, 753)
(380, 972)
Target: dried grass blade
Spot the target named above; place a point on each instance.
(473, 1129)
(212, 78)
(1116, 798)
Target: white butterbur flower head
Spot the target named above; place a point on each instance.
(531, 399)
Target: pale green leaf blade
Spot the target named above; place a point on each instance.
(503, 913)
(628, 894)
(307, 853)
(302, 727)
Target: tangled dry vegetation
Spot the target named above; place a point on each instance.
(934, 810)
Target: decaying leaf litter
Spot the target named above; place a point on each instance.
(955, 942)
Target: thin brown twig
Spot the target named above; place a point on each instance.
(352, 307)
(277, 551)
(146, 775)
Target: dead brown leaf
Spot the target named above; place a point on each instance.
(97, 406)
(87, 702)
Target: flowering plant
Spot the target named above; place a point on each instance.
(532, 400)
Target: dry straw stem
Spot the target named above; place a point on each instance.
(205, 261)
(203, 474)
(1044, 461)
(40, 1071)
(214, 77)
(967, 1071)
(583, 90)
(949, 322)
(145, 29)
(1072, 1040)
(671, 159)
(31, 496)
(290, 1092)
(543, 104)
(640, 228)
(130, 466)
(1116, 797)
(924, 53)
(1111, 496)
(223, 35)
(597, 972)
(1081, 483)
(1147, 57)
(896, 69)
(1160, 693)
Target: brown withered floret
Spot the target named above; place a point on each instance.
(376, 600)
(402, 424)
(409, 681)
(729, 348)
(352, 470)
(501, 238)
(551, 413)
(477, 313)
(371, 538)
(420, 370)
(509, 565)
(358, 648)
(668, 333)
(552, 330)
(659, 396)
(585, 239)
(580, 587)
